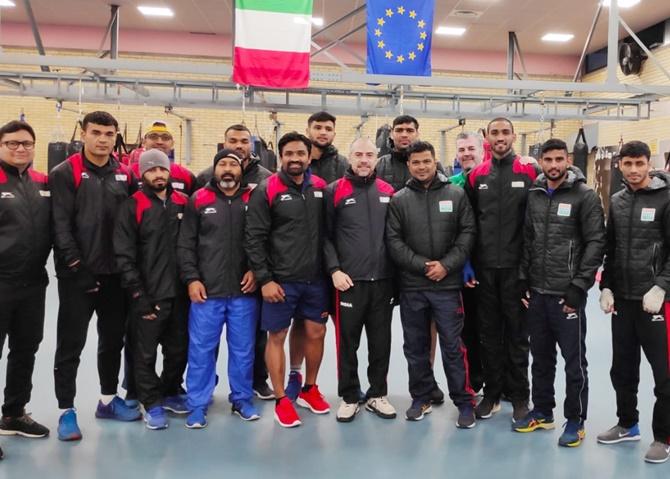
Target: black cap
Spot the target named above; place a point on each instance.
(227, 153)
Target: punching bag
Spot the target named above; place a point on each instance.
(580, 152)
(383, 140)
(56, 154)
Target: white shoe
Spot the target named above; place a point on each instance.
(347, 412)
(381, 407)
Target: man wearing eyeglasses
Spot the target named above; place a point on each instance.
(25, 242)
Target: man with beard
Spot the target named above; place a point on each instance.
(238, 138)
(145, 242)
(563, 246)
(498, 190)
(635, 286)
(213, 263)
(25, 243)
(429, 234)
(469, 153)
(329, 165)
(86, 190)
(284, 242)
(160, 138)
(362, 274)
(393, 169)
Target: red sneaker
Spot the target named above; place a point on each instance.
(285, 413)
(313, 400)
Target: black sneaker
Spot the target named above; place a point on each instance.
(2, 454)
(437, 396)
(22, 426)
(486, 408)
(520, 410)
(263, 391)
(418, 410)
(466, 417)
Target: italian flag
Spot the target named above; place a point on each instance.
(272, 43)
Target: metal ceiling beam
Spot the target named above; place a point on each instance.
(613, 42)
(589, 37)
(114, 34)
(338, 40)
(36, 32)
(338, 21)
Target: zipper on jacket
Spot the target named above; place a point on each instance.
(500, 192)
(546, 237)
(653, 261)
(630, 236)
(430, 229)
(570, 258)
(370, 239)
(230, 242)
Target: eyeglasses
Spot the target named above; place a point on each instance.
(14, 145)
(156, 136)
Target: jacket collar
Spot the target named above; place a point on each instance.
(360, 180)
(439, 181)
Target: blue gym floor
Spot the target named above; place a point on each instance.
(321, 447)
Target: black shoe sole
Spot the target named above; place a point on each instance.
(264, 397)
(380, 414)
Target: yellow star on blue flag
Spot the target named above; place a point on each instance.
(400, 37)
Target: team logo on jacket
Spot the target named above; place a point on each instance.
(648, 214)
(177, 185)
(209, 211)
(518, 184)
(6, 195)
(318, 194)
(384, 199)
(84, 175)
(483, 186)
(346, 305)
(45, 193)
(285, 198)
(564, 209)
(121, 177)
(350, 201)
(571, 316)
(180, 216)
(657, 318)
(446, 206)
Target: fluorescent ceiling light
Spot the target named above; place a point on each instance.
(451, 31)
(7, 3)
(558, 37)
(156, 11)
(622, 3)
(317, 21)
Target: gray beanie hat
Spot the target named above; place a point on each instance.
(153, 158)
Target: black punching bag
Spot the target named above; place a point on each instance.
(56, 153)
(580, 152)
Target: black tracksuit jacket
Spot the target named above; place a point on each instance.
(145, 243)
(638, 240)
(498, 190)
(86, 200)
(211, 241)
(25, 226)
(564, 236)
(356, 210)
(434, 224)
(285, 229)
(331, 166)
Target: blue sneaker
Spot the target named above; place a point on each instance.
(573, 434)
(68, 429)
(197, 419)
(294, 385)
(118, 410)
(246, 410)
(176, 404)
(155, 418)
(533, 421)
(132, 403)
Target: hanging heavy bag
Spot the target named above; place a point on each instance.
(267, 156)
(74, 146)
(383, 140)
(580, 152)
(535, 150)
(56, 154)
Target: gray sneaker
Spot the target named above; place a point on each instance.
(658, 452)
(466, 417)
(487, 408)
(619, 434)
(519, 410)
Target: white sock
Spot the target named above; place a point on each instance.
(107, 398)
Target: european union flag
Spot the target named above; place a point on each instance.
(399, 36)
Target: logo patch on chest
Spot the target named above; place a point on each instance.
(384, 199)
(318, 194)
(84, 175)
(120, 177)
(209, 211)
(45, 193)
(350, 201)
(648, 214)
(7, 195)
(483, 186)
(285, 198)
(564, 209)
(180, 216)
(446, 206)
(518, 184)
(177, 185)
